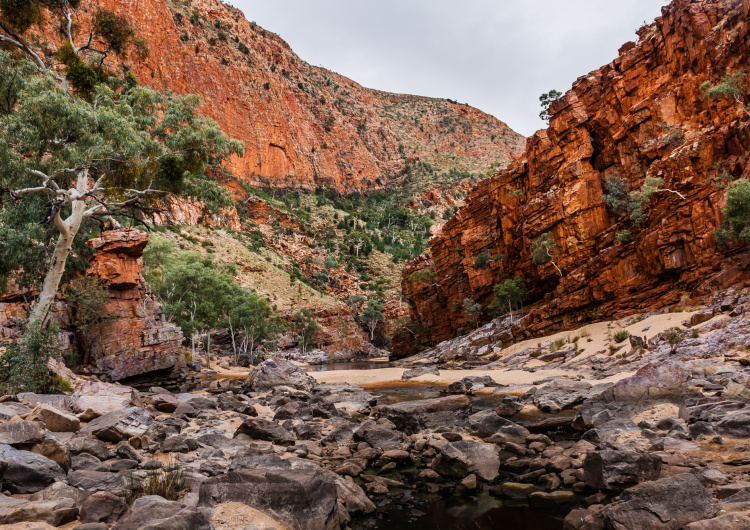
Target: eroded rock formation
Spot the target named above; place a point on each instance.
(642, 115)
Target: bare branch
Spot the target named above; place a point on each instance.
(672, 191)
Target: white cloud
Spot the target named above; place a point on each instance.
(497, 55)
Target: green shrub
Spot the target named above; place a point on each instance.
(620, 336)
(425, 275)
(23, 367)
(623, 236)
(167, 482)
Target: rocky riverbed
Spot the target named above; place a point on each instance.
(663, 445)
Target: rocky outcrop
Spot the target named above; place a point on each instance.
(136, 339)
(642, 115)
(302, 125)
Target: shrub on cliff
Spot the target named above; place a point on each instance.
(736, 225)
(541, 251)
(731, 86)
(23, 367)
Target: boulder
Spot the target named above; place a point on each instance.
(668, 503)
(54, 419)
(119, 425)
(58, 401)
(617, 470)
(28, 472)
(103, 398)
(471, 384)
(487, 423)
(157, 513)
(459, 459)
(89, 445)
(53, 512)
(419, 371)
(560, 394)
(60, 490)
(275, 372)
(299, 494)
(94, 481)
(410, 417)
(260, 429)
(21, 432)
(654, 384)
(165, 402)
(728, 521)
(53, 449)
(735, 424)
(102, 507)
(382, 437)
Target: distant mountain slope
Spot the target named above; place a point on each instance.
(302, 125)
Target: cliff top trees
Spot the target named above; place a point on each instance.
(546, 100)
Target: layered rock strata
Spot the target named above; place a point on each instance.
(642, 115)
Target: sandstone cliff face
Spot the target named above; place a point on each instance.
(641, 115)
(302, 125)
(137, 339)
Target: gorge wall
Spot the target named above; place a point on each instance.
(302, 125)
(642, 115)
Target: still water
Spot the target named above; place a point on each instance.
(472, 513)
(357, 365)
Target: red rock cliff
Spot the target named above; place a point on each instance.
(302, 125)
(641, 115)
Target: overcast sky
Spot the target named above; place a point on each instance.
(497, 55)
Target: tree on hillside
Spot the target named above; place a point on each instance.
(546, 100)
(251, 317)
(77, 144)
(306, 327)
(641, 198)
(508, 295)
(732, 86)
(372, 316)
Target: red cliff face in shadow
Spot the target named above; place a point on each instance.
(642, 115)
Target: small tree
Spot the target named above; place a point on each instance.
(731, 86)
(251, 317)
(508, 295)
(472, 311)
(23, 367)
(736, 226)
(546, 100)
(306, 327)
(329, 264)
(483, 260)
(618, 198)
(640, 199)
(372, 316)
(354, 302)
(541, 250)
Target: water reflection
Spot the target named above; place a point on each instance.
(356, 365)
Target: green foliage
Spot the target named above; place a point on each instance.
(423, 275)
(621, 336)
(736, 226)
(472, 311)
(22, 14)
(483, 260)
(731, 86)
(89, 299)
(306, 327)
(623, 237)
(618, 198)
(23, 367)
(372, 316)
(508, 296)
(640, 199)
(168, 482)
(514, 193)
(673, 336)
(546, 100)
(541, 249)
(114, 31)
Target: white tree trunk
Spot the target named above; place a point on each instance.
(68, 231)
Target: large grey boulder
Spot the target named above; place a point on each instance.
(666, 504)
(58, 401)
(89, 445)
(560, 394)
(157, 513)
(28, 472)
(55, 420)
(459, 459)
(102, 507)
(94, 481)
(275, 372)
(260, 429)
(103, 398)
(119, 425)
(487, 423)
(654, 384)
(53, 512)
(617, 470)
(21, 432)
(410, 417)
(298, 494)
(382, 437)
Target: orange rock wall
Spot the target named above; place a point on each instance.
(641, 115)
(302, 125)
